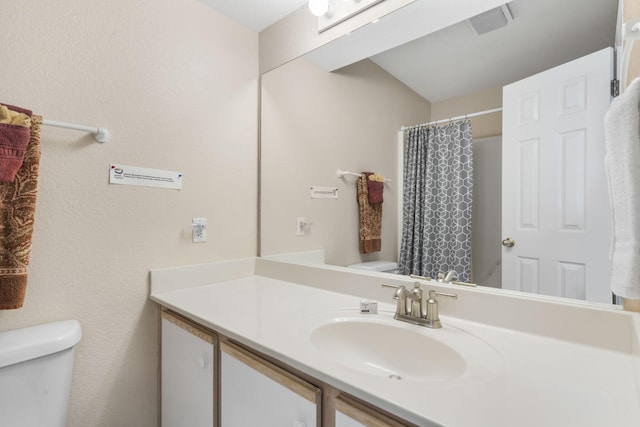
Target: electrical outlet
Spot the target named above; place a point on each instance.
(199, 230)
(300, 223)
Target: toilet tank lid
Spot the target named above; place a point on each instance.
(20, 345)
(376, 265)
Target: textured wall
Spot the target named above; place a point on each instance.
(318, 122)
(176, 84)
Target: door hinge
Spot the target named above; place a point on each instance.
(615, 87)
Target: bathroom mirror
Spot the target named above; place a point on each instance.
(315, 122)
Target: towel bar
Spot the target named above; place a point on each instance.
(100, 134)
(342, 173)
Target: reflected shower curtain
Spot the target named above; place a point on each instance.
(437, 200)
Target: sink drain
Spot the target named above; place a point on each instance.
(395, 377)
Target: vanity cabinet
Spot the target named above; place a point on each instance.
(188, 369)
(349, 413)
(208, 380)
(254, 392)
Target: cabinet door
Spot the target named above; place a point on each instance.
(352, 414)
(256, 393)
(188, 371)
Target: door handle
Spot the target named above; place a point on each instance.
(508, 242)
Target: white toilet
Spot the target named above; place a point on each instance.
(35, 374)
(385, 266)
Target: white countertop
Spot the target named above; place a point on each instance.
(539, 380)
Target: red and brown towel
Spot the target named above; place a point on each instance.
(370, 218)
(17, 209)
(375, 186)
(14, 138)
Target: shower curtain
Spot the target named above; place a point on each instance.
(437, 200)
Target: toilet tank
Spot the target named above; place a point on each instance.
(386, 266)
(36, 364)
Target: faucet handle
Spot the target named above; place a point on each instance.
(401, 292)
(400, 288)
(415, 276)
(434, 294)
(386, 285)
(455, 282)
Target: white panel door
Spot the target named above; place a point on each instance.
(555, 203)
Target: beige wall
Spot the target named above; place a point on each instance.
(315, 122)
(483, 126)
(176, 84)
(632, 13)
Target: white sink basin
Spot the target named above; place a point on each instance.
(381, 346)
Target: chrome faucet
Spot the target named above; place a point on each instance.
(401, 296)
(416, 314)
(450, 277)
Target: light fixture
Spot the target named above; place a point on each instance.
(319, 7)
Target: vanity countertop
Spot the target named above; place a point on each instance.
(537, 380)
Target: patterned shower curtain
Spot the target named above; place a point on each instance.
(438, 190)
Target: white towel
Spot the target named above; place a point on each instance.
(622, 164)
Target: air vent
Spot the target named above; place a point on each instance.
(491, 20)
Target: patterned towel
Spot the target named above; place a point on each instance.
(14, 138)
(17, 209)
(370, 219)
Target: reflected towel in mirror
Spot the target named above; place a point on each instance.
(375, 187)
(370, 218)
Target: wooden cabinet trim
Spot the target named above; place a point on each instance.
(189, 326)
(277, 374)
(364, 414)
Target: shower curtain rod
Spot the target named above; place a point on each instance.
(100, 134)
(453, 119)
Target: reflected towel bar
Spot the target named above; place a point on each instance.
(100, 134)
(342, 173)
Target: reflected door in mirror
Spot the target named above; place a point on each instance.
(555, 200)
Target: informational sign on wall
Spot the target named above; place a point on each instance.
(324, 192)
(133, 175)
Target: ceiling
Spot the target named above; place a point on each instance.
(455, 61)
(255, 14)
(544, 33)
